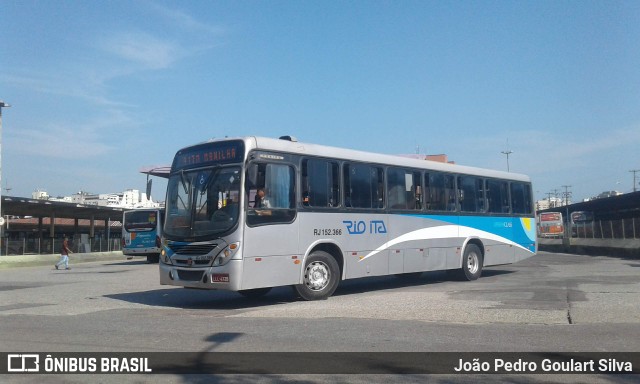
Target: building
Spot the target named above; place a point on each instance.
(550, 202)
(40, 195)
(40, 225)
(131, 198)
(607, 194)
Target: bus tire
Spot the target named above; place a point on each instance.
(153, 259)
(254, 293)
(321, 277)
(471, 263)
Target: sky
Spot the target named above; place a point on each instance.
(101, 89)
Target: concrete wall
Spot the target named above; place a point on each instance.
(75, 258)
(605, 247)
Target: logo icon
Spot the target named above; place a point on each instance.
(23, 363)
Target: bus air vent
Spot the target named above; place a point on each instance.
(190, 275)
(289, 138)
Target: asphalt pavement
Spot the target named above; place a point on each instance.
(552, 302)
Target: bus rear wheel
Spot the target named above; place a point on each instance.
(471, 262)
(321, 277)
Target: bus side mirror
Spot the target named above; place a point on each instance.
(149, 183)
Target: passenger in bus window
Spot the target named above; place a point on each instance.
(261, 201)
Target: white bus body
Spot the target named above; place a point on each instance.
(332, 214)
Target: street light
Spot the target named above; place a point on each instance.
(2, 105)
(507, 152)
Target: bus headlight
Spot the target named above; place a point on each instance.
(226, 254)
(164, 257)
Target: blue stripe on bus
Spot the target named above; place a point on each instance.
(520, 230)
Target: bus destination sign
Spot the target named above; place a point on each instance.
(227, 152)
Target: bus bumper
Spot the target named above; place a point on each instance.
(226, 277)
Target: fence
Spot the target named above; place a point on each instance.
(607, 229)
(52, 246)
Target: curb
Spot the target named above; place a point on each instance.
(75, 258)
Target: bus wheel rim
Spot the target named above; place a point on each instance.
(317, 276)
(472, 262)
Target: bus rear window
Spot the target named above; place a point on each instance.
(140, 221)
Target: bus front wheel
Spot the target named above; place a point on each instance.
(321, 277)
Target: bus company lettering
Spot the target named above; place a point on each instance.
(358, 227)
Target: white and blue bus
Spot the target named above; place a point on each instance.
(142, 233)
(252, 213)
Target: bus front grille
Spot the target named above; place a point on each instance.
(194, 262)
(190, 275)
(192, 249)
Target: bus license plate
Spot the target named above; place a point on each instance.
(220, 278)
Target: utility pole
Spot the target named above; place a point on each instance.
(555, 194)
(507, 152)
(634, 171)
(2, 105)
(567, 194)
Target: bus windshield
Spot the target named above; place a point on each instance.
(202, 203)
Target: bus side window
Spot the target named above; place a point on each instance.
(364, 186)
(403, 189)
(497, 196)
(320, 183)
(521, 198)
(437, 200)
(482, 201)
(450, 192)
(516, 198)
(467, 194)
(271, 188)
(471, 194)
(528, 199)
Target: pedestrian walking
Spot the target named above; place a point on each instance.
(64, 254)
